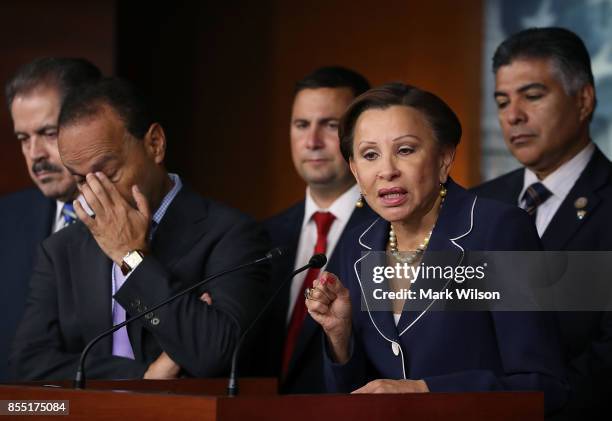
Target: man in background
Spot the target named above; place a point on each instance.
(545, 95)
(34, 96)
(314, 225)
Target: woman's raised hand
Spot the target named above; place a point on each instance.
(329, 304)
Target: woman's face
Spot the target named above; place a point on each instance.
(398, 163)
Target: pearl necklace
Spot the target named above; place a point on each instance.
(414, 255)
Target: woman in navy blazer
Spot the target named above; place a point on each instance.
(400, 143)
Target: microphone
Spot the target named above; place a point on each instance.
(317, 261)
(79, 379)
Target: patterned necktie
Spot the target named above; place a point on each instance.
(323, 220)
(69, 214)
(534, 196)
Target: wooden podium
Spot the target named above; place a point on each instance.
(203, 399)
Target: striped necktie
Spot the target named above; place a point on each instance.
(69, 214)
(534, 196)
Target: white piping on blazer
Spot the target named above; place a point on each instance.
(452, 240)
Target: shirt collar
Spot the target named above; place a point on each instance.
(342, 208)
(58, 209)
(168, 198)
(561, 181)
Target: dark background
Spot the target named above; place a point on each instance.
(221, 74)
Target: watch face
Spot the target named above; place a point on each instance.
(133, 259)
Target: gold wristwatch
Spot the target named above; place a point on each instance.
(130, 261)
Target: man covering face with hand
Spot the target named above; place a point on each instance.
(151, 237)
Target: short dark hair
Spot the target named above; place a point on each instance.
(334, 77)
(115, 93)
(441, 118)
(566, 50)
(62, 73)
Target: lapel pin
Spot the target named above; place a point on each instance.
(580, 204)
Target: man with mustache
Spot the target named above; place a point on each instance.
(545, 95)
(314, 225)
(34, 96)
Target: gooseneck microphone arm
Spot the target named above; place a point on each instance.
(79, 379)
(317, 261)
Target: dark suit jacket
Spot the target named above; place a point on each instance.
(586, 336)
(305, 372)
(453, 351)
(70, 298)
(26, 218)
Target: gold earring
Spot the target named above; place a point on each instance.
(442, 191)
(359, 203)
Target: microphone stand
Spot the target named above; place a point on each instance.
(79, 379)
(317, 261)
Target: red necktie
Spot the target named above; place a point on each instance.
(323, 220)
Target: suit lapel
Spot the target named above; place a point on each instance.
(49, 220)
(454, 222)
(291, 227)
(373, 243)
(180, 228)
(510, 193)
(506, 188)
(566, 223)
(286, 236)
(40, 220)
(92, 280)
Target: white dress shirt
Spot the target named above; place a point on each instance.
(342, 208)
(559, 182)
(58, 222)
